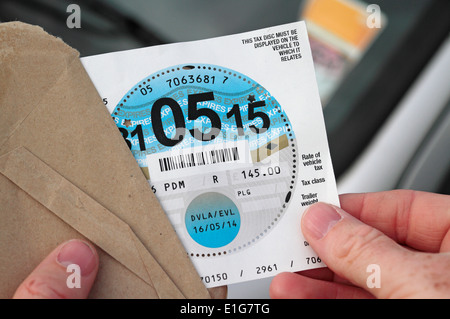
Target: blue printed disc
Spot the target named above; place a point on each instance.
(212, 220)
(218, 150)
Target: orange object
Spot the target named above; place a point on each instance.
(344, 19)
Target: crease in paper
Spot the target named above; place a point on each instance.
(86, 216)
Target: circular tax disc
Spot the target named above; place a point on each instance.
(218, 150)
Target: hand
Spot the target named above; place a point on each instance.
(49, 279)
(405, 235)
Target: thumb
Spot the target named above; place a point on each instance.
(67, 272)
(360, 253)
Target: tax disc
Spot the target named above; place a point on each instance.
(218, 151)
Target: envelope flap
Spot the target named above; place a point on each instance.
(71, 131)
(23, 48)
(86, 216)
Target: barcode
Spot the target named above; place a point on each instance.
(199, 159)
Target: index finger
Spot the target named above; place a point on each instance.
(417, 219)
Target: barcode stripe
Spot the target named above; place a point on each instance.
(235, 154)
(199, 159)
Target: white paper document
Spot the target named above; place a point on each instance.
(230, 134)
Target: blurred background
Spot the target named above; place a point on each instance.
(382, 66)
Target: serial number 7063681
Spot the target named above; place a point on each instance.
(190, 79)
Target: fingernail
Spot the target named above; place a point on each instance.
(319, 219)
(80, 253)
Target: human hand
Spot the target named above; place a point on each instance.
(49, 279)
(405, 234)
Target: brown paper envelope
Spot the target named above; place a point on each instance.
(27, 226)
(83, 214)
(49, 105)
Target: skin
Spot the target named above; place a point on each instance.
(405, 233)
(49, 279)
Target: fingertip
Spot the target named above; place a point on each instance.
(57, 278)
(319, 219)
(350, 247)
(78, 252)
(282, 285)
(295, 286)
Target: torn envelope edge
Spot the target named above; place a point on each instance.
(86, 216)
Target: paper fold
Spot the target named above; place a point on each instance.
(49, 106)
(86, 216)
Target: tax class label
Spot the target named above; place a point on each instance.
(232, 162)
